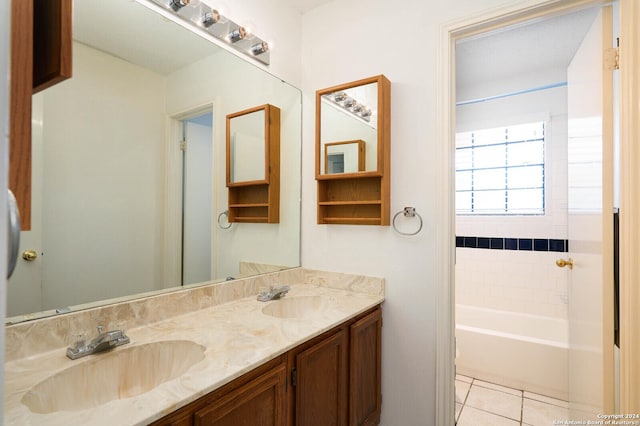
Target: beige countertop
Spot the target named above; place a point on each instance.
(237, 337)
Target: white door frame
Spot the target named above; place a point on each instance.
(521, 11)
(629, 207)
(173, 206)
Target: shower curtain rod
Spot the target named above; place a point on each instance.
(518, 92)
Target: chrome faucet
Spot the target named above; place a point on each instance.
(274, 293)
(105, 340)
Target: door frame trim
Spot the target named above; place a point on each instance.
(629, 207)
(173, 187)
(490, 20)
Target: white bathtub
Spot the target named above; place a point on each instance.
(522, 351)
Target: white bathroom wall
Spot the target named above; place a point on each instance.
(339, 126)
(519, 281)
(206, 82)
(347, 41)
(78, 130)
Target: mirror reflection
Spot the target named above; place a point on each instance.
(349, 114)
(247, 146)
(344, 157)
(129, 167)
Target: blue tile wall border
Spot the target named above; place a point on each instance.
(523, 244)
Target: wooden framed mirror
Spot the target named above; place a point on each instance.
(253, 164)
(353, 128)
(344, 157)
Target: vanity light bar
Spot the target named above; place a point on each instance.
(203, 17)
(349, 104)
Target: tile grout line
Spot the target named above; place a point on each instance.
(474, 381)
(522, 408)
(497, 390)
(546, 402)
(464, 403)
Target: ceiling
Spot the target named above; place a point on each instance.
(547, 44)
(303, 6)
(119, 33)
(159, 45)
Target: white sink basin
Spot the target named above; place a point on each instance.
(295, 307)
(120, 374)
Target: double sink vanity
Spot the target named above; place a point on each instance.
(164, 323)
(212, 354)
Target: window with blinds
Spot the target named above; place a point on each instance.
(500, 171)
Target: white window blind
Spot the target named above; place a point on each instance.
(500, 171)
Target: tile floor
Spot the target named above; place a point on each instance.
(480, 403)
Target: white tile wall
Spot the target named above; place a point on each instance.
(519, 281)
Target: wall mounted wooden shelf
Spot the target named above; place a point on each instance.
(256, 200)
(359, 198)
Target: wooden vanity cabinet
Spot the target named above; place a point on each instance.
(254, 399)
(319, 376)
(333, 379)
(260, 402)
(365, 369)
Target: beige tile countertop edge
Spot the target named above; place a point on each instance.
(237, 335)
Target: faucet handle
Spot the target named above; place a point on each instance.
(78, 339)
(118, 326)
(99, 327)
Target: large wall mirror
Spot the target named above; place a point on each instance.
(348, 120)
(129, 173)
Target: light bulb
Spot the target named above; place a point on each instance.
(176, 5)
(210, 18)
(237, 34)
(259, 48)
(339, 97)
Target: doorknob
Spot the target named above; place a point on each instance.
(561, 263)
(29, 255)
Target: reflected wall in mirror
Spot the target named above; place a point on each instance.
(246, 146)
(344, 157)
(129, 167)
(253, 165)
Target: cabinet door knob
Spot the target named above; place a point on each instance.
(29, 255)
(561, 263)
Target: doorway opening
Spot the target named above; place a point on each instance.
(511, 193)
(192, 151)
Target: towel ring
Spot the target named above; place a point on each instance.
(221, 226)
(408, 212)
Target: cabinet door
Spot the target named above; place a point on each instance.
(365, 394)
(321, 383)
(260, 402)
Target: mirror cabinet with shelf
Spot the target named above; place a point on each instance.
(253, 165)
(353, 152)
